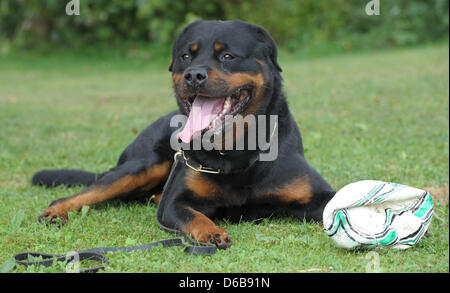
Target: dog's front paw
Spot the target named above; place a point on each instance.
(214, 235)
(54, 212)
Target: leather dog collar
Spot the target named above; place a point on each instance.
(199, 167)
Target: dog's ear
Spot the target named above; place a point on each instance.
(269, 47)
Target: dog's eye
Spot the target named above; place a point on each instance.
(186, 57)
(227, 57)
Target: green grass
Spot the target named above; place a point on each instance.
(380, 115)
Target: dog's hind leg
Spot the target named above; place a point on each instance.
(135, 176)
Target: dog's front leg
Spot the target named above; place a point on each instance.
(203, 229)
(181, 209)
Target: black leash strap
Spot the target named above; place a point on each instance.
(48, 259)
(190, 245)
(98, 254)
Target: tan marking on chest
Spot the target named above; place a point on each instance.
(200, 185)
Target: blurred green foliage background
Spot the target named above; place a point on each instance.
(308, 25)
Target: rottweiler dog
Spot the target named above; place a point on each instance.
(220, 70)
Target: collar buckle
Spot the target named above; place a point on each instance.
(200, 168)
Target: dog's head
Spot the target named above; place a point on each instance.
(222, 69)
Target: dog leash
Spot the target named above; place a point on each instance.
(98, 254)
(191, 246)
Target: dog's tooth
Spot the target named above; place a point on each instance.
(226, 105)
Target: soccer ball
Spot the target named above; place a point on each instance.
(373, 213)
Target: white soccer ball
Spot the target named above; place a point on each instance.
(373, 213)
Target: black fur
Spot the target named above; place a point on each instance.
(51, 178)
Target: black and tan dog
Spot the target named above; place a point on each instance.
(218, 66)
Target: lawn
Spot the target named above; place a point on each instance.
(381, 115)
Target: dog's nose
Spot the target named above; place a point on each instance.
(196, 77)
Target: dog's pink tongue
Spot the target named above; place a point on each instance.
(203, 112)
